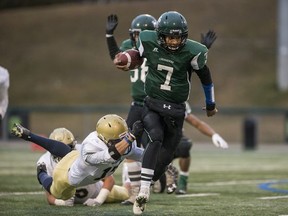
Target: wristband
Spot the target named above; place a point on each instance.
(129, 138)
(109, 35)
(59, 202)
(209, 93)
(210, 107)
(102, 196)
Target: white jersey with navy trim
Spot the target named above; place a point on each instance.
(95, 162)
(82, 193)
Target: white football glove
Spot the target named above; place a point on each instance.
(91, 202)
(60, 202)
(218, 141)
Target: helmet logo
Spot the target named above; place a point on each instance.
(176, 31)
(136, 30)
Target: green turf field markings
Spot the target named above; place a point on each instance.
(273, 197)
(20, 193)
(197, 195)
(240, 182)
(268, 186)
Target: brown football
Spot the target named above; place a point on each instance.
(130, 58)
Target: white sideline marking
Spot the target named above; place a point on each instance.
(198, 195)
(273, 197)
(21, 193)
(242, 182)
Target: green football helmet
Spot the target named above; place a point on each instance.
(141, 23)
(172, 24)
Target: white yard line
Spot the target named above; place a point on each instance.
(198, 195)
(242, 182)
(20, 193)
(273, 197)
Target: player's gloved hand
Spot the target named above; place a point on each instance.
(20, 131)
(137, 128)
(112, 22)
(208, 39)
(60, 202)
(218, 141)
(210, 109)
(210, 113)
(91, 202)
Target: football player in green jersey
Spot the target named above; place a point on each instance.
(171, 48)
(171, 58)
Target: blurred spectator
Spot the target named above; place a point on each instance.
(4, 85)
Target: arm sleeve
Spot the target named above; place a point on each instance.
(207, 84)
(112, 46)
(204, 75)
(102, 196)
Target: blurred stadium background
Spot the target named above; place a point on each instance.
(61, 73)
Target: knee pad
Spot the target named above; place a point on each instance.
(183, 148)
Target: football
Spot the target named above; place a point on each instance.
(130, 58)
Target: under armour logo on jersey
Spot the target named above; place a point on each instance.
(166, 106)
(155, 49)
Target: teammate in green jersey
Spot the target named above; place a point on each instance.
(137, 79)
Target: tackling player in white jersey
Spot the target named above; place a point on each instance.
(101, 153)
(92, 191)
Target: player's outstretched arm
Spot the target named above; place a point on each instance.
(208, 87)
(111, 25)
(103, 194)
(207, 130)
(59, 202)
(208, 39)
(125, 145)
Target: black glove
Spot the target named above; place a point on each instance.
(137, 128)
(208, 39)
(210, 109)
(20, 131)
(112, 22)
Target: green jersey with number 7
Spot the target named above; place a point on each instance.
(169, 73)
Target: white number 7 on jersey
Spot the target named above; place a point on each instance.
(169, 70)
